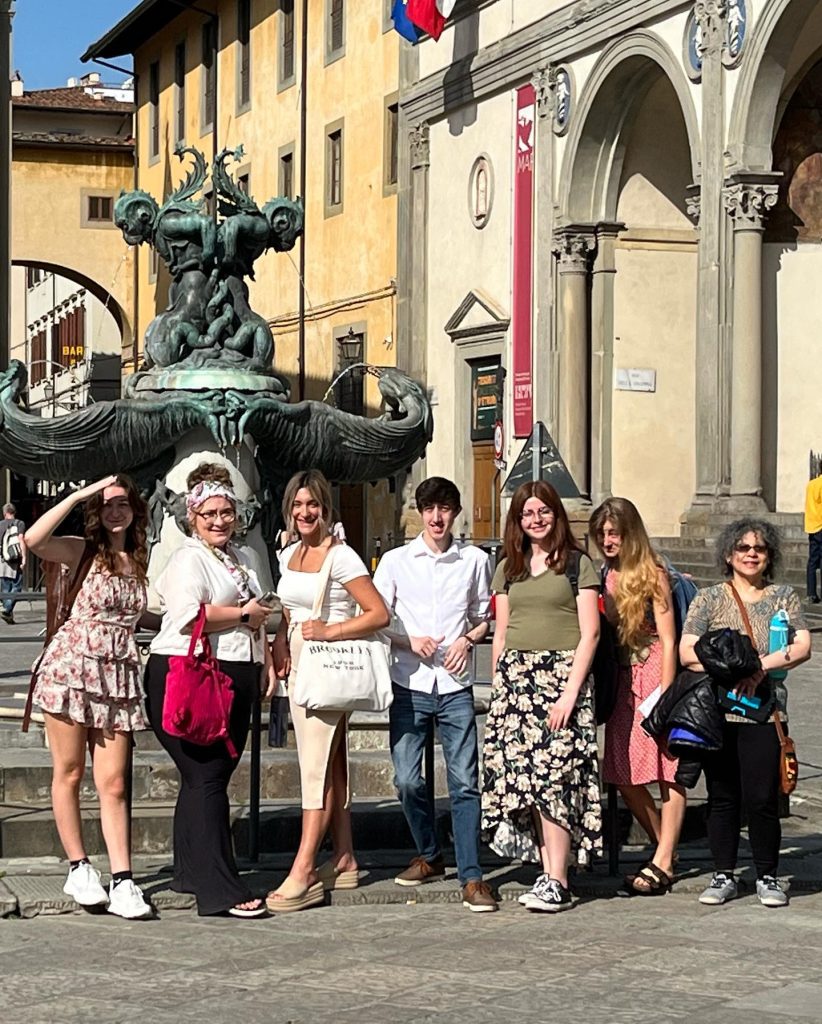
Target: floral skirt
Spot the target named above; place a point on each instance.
(528, 767)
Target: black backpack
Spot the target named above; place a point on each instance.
(605, 666)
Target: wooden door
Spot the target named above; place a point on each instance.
(486, 492)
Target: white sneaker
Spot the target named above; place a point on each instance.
(126, 900)
(84, 886)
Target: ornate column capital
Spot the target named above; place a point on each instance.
(418, 137)
(693, 203)
(544, 82)
(573, 246)
(712, 28)
(749, 202)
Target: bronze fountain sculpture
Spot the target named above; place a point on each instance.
(208, 383)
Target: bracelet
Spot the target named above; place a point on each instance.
(470, 642)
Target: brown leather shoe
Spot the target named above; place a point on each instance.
(477, 896)
(420, 870)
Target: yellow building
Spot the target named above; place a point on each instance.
(236, 79)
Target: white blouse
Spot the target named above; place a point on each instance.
(297, 590)
(193, 576)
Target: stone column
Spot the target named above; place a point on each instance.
(545, 342)
(573, 247)
(747, 200)
(418, 137)
(602, 360)
(710, 16)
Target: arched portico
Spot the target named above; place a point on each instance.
(626, 251)
(107, 298)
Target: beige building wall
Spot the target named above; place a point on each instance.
(49, 189)
(792, 318)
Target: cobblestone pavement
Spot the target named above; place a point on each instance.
(609, 961)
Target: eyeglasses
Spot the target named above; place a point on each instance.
(540, 514)
(225, 515)
(743, 549)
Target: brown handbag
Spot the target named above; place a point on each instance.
(65, 603)
(788, 761)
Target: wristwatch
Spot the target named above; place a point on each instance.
(470, 642)
(245, 618)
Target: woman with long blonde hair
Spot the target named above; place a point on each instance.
(638, 603)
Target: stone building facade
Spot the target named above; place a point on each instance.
(620, 201)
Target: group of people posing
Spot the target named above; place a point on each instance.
(538, 795)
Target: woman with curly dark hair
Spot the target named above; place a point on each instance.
(743, 777)
(88, 680)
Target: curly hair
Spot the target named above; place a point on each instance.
(98, 537)
(209, 471)
(516, 543)
(733, 533)
(639, 568)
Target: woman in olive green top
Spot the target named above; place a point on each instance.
(540, 797)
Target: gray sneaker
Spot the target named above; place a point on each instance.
(721, 889)
(770, 892)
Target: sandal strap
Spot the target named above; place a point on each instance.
(654, 874)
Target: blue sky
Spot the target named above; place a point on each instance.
(49, 36)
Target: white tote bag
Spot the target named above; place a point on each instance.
(342, 675)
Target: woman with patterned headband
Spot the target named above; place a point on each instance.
(209, 569)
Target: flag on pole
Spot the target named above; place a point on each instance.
(406, 28)
(430, 15)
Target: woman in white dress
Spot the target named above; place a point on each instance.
(322, 736)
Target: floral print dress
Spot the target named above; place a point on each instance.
(527, 766)
(90, 671)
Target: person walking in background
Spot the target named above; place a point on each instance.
(743, 777)
(540, 796)
(351, 609)
(88, 680)
(439, 591)
(210, 570)
(813, 528)
(13, 550)
(638, 603)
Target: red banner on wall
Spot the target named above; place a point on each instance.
(523, 261)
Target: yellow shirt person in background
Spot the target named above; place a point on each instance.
(813, 528)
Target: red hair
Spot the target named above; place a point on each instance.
(516, 544)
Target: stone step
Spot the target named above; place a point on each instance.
(674, 545)
(790, 531)
(30, 832)
(25, 777)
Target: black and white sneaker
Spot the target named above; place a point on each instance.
(553, 898)
(536, 890)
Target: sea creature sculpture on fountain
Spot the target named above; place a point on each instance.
(209, 371)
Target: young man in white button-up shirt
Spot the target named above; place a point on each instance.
(439, 591)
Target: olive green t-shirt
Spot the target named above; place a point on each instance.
(542, 611)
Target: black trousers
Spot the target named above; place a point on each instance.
(814, 562)
(203, 853)
(745, 774)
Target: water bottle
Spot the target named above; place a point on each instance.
(778, 640)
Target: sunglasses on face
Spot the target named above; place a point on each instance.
(743, 549)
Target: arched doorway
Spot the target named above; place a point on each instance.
(626, 178)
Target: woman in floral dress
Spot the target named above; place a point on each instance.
(638, 603)
(88, 680)
(540, 797)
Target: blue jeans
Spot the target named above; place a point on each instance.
(11, 586)
(412, 714)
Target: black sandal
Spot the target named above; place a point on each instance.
(657, 882)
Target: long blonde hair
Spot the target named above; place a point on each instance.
(639, 577)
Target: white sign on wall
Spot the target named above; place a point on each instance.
(635, 380)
